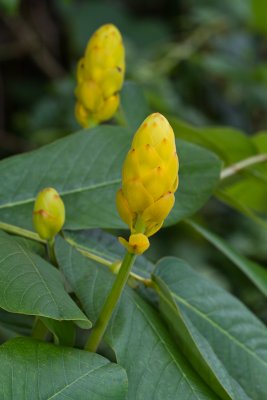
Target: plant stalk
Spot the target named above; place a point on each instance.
(110, 303)
(16, 230)
(51, 252)
(235, 168)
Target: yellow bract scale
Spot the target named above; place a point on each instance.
(149, 177)
(130, 168)
(148, 157)
(159, 210)
(157, 182)
(112, 82)
(48, 213)
(108, 108)
(106, 37)
(100, 75)
(124, 209)
(136, 195)
(164, 148)
(154, 130)
(89, 95)
(81, 114)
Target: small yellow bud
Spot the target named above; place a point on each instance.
(48, 213)
(149, 177)
(138, 243)
(100, 75)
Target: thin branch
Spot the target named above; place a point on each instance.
(104, 261)
(16, 230)
(13, 229)
(235, 168)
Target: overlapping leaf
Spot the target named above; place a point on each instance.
(33, 370)
(30, 285)
(255, 272)
(246, 190)
(233, 333)
(230, 144)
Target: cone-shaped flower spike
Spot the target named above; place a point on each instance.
(149, 177)
(100, 75)
(48, 213)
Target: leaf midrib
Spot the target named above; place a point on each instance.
(66, 193)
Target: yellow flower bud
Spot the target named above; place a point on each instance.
(138, 243)
(48, 213)
(100, 75)
(149, 177)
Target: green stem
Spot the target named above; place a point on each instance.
(51, 252)
(16, 230)
(239, 166)
(110, 303)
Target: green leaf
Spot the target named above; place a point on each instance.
(31, 245)
(231, 145)
(238, 205)
(21, 324)
(199, 175)
(246, 191)
(134, 108)
(155, 368)
(255, 272)
(12, 325)
(259, 15)
(236, 336)
(33, 370)
(196, 347)
(85, 168)
(30, 285)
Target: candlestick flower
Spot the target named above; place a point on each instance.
(100, 75)
(149, 177)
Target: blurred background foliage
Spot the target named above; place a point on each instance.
(201, 63)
